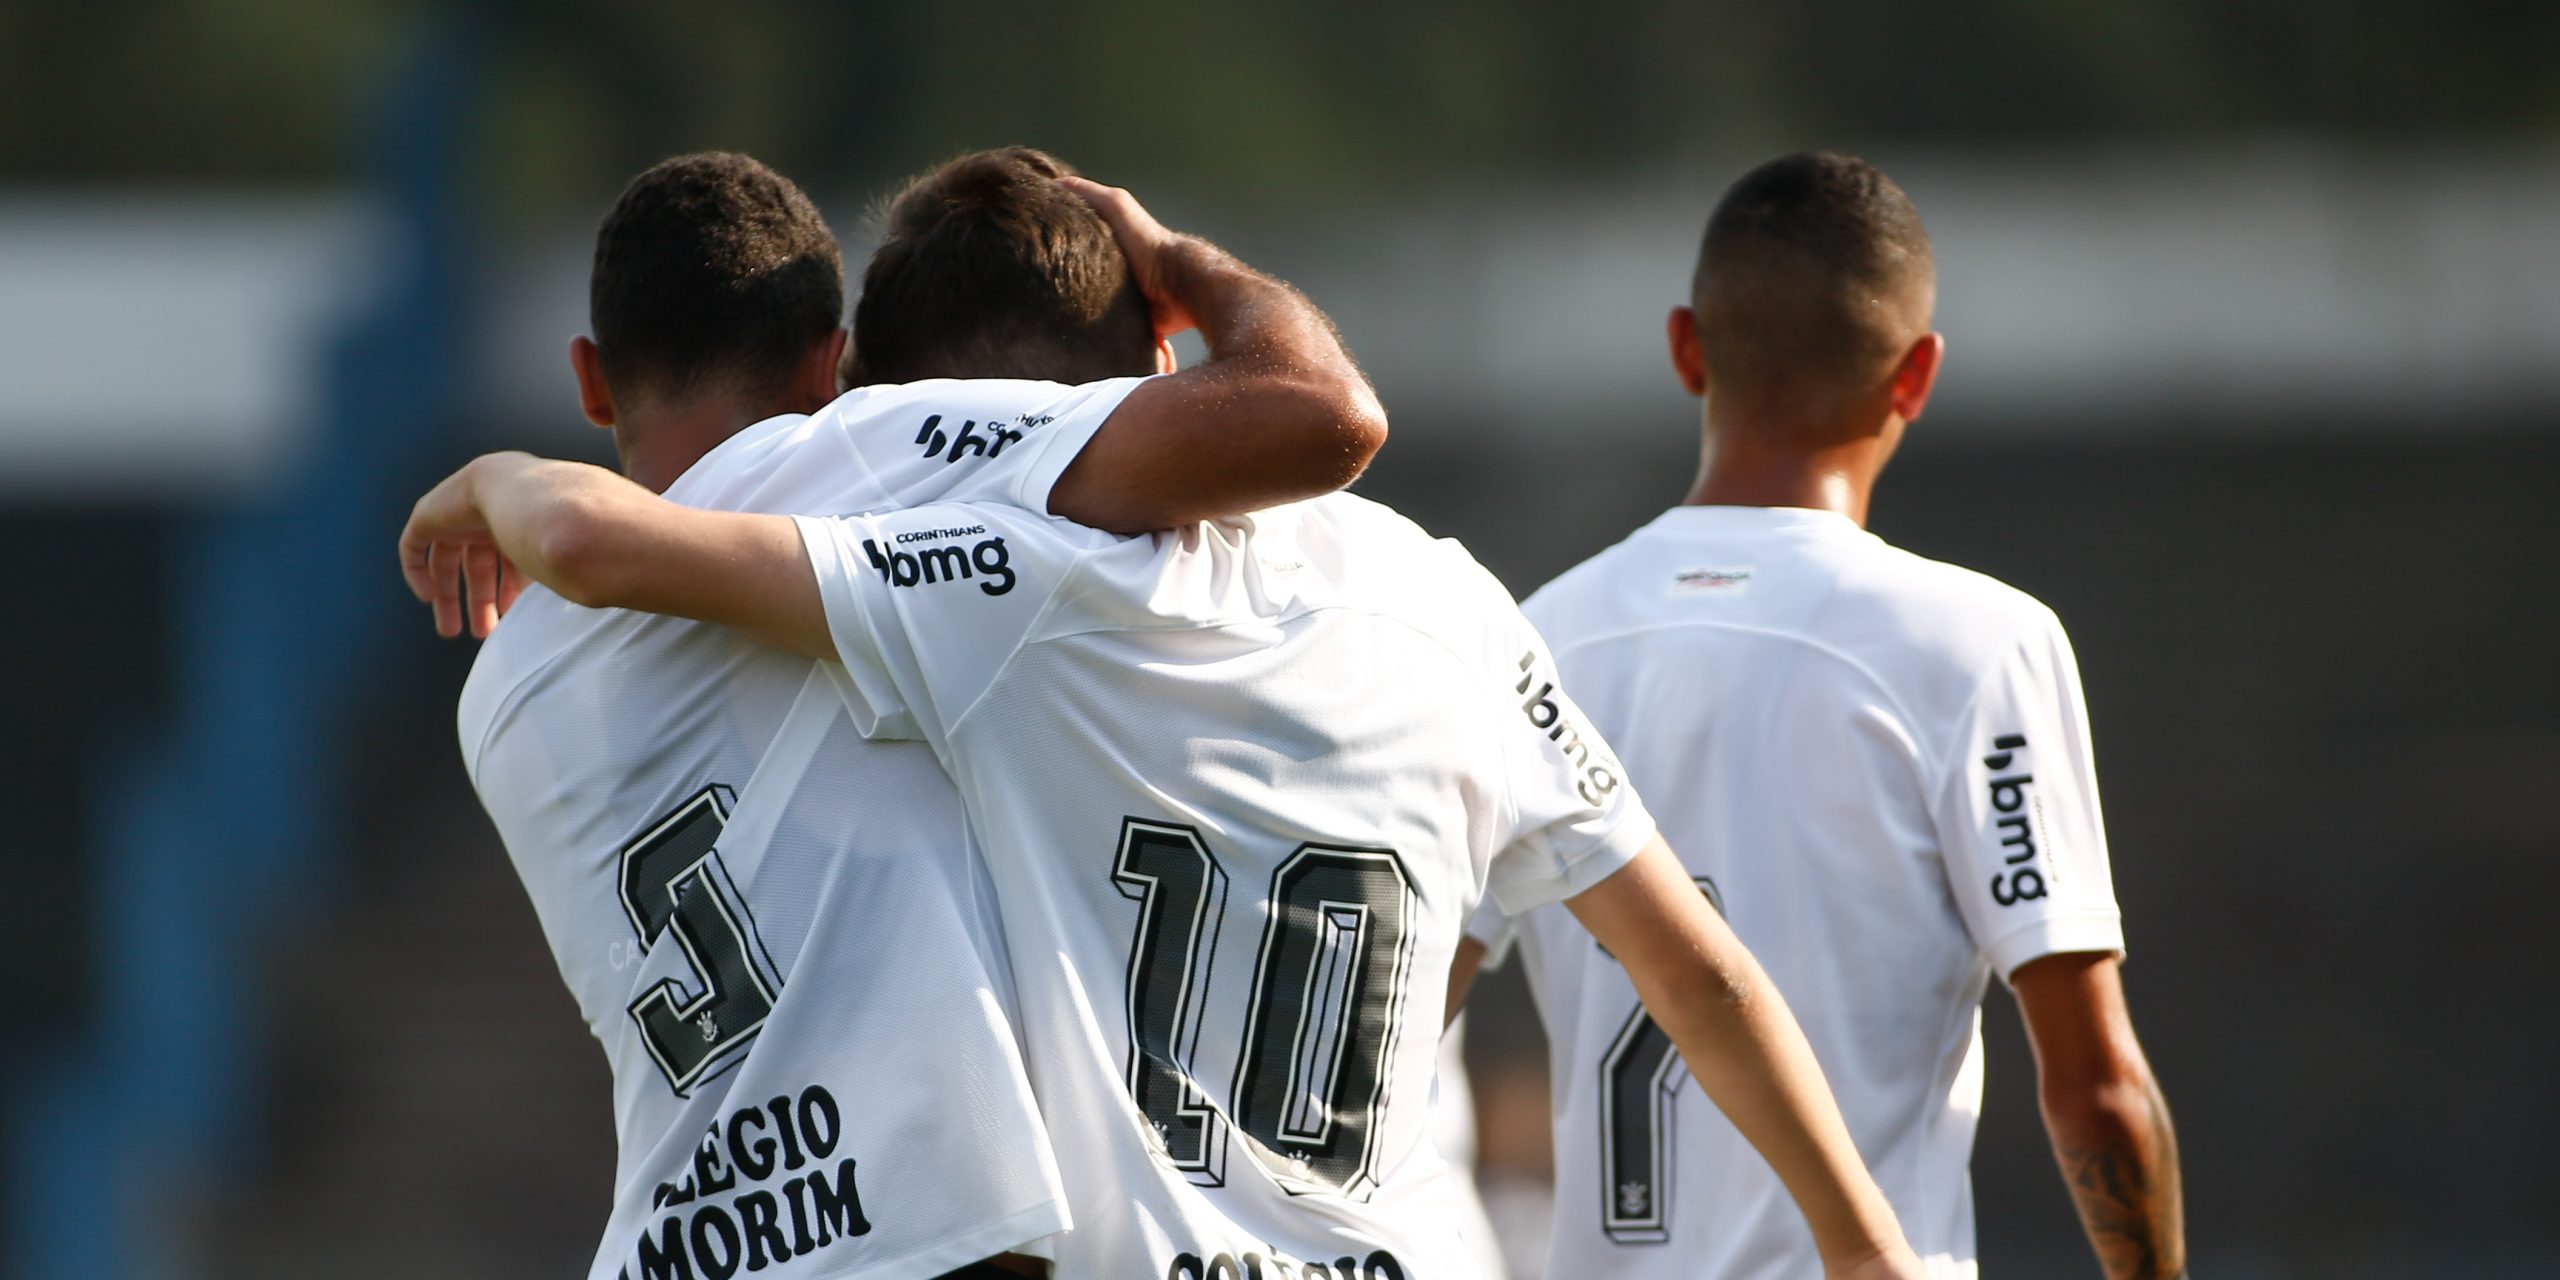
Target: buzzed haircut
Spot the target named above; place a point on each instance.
(711, 271)
(1814, 278)
(988, 268)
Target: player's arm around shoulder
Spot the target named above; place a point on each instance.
(1278, 412)
(1704, 988)
(601, 541)
(2105, 1114)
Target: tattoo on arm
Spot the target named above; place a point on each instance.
(2126, 1187)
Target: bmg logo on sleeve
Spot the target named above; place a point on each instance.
(986, 562)
(1596, 773)
(2014, 809)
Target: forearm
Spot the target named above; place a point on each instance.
(1278, 392)
(1278, 412)
(2119, 1155)
(1463, 969)
(1251, 322)
(1748, 1054)
(543, 514)
(601, 541)
(1704, 989)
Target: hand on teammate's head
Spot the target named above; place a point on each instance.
(1145, 242)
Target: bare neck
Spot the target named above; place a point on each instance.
(1747, 464)
(659, 442)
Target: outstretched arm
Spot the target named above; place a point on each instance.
(1276, 413)
(1704, 988)
(2105, 1114)
(602, 541)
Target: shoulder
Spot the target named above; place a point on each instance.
(1590, 598)
(534, 633)
(908, 416)
(1940, 635)
(1381, 563)
(1964, 615)
(1381, 552)
(1351, 515)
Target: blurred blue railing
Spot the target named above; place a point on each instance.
(221, 823)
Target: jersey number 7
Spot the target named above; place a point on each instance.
(1639, 1079)
(1320, 1033)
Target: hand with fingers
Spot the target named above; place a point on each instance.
(1151, 247)
(451, 560)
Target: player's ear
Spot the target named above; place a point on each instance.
(814, 383)
(1687, 359)
(594, 396)
(1165, 363)
(1916, 376)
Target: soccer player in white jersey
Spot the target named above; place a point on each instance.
(1878, 765)
(776, 929)
(1239, 787)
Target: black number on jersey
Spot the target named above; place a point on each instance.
(1639, 1078)
(1182, 897)
(672, 876)
(1328, 995)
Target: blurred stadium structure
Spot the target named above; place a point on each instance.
(2256, 353)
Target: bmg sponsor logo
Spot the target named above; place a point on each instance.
(968, 441)
(1599, 773)
(2014, 809)
(985, 562)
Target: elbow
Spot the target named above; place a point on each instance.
(572, 555)
(2115, 1097)
(1341, 428)
(1363, 428)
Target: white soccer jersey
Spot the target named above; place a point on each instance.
(1878, 765)
(1239, 788)
(814, 1070)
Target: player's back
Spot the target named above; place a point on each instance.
(775, 929)
(1804, 708)
(1239, 789)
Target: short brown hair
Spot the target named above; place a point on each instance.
(1814, 270)
(987, 268)
(710, 268)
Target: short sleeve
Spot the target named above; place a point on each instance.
(1572, 817)
(927, 606)
(2017, 811)
(1014, 460)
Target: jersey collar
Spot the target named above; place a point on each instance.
(1754, 520)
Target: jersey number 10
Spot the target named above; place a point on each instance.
(1320, 1033)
